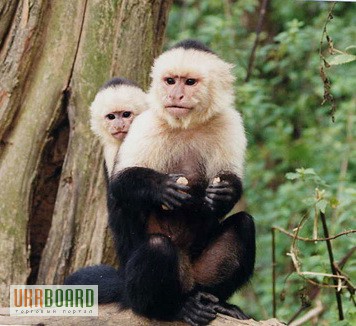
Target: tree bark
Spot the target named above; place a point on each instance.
(110, 315)
(54, 57)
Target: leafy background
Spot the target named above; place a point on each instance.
(298, 158)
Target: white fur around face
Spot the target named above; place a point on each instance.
(214, 91)
(111, 99)
(115, 98)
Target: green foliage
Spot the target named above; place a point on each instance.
(288, 129)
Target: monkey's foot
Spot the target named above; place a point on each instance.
(230, 310)
(199, 309)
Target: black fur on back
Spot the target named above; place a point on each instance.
(118, 81)
(192, 44)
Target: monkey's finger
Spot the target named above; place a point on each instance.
(220, 184)
(175, 176)
(220, 191)
(172, 202)
(198, 314)
(235, 312)
(166, 205)
(178, 186)
(189, 321)
(208, 297)
(198, 305)
(205, 312)
(210, 202)
(202, 318)
(178, 195)
(215, 197)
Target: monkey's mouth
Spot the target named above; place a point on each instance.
(119, 135)
(177, 110)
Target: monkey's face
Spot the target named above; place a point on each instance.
(113, 111)
(179, 99)
(189, 87)
(183, 100)
(118, 123)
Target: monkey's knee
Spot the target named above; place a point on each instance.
(242, 223)
(159, 241)
(161, 245)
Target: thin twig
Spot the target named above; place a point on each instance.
(327, 97)
(261, 17)
(295, 316)
(333, 269)
(344, 259)
(310, 315)
(297, 265)
(274, 265)
(312, 240)
(350, 286)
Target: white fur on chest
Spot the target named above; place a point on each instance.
(220, 143)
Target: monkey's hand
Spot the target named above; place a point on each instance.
(223, 193)
(173, 194)
(199, 309)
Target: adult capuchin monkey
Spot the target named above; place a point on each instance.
(179, 259)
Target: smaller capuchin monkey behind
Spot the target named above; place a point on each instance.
(115, 106)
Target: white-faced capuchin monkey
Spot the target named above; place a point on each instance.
(118, 102)
(179, 173)
(179, 262)
(115, 106)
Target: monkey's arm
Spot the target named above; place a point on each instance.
(221, 196)
(132, 194)
(145, 188)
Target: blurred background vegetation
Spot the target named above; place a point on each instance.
(299, 160)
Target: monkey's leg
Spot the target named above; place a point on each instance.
(154, 284)
(228, 261)
(153, 287)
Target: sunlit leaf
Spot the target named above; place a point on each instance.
(341, 59)
(292, 175)
(321, 205)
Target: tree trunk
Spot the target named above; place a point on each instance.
(54, 57)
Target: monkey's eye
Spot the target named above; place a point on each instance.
(170, 81)
(126, 114)
(110, 116)
(190, 81)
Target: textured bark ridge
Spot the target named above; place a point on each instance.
(110, 315)
(54, 56)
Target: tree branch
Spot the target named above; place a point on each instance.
(333, 269)
(257, 39)
(294, 236)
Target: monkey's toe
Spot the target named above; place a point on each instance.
(198, 309)
(230, 310)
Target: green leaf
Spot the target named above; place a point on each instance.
(306, 171)
(334, 202)
(309, 171)
(351, 47)
(309, 201)
(292, 176)
(341, 59)
(321, 204)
